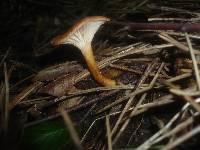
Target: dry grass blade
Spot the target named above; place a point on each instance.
(88, 91)
(132, 70)
(141, 109)
(109, 137)
(172, 19)
(90, 127)
(98, 89)
(33, 101)
(145, 107)
(5, 56)
(188, 98)
(176, 10)
(92, 90)
(139, 91)
(24, 94)
(183, 138)
(184, 93)
(128, 120)
(179, 77)
(71, 129)
(23, 80)
(138, 104)
(193, 60)
(153, 140)
(128, 104)
(176, 78)
(75, 108)
(6, 102)
(192, 103)
(148, 143)
(178, 128)
(176, 43)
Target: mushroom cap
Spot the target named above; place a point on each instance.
(81, 33)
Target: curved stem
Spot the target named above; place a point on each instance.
(93, 68)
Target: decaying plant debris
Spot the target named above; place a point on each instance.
(155, 104)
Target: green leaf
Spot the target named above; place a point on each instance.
(51, 135)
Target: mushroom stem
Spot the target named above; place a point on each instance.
(92, 66)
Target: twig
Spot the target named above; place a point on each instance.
(184, 27)
(71, 129)
(193, 36)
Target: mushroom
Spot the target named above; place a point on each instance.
(81, 35)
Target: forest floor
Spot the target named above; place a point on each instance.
(49, 100)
